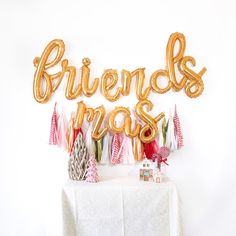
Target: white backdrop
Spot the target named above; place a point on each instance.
(117, 34)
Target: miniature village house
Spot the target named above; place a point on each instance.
(146, 170)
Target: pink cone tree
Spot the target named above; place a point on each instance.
(92, 173)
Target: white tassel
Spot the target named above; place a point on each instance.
(171, 139)
(89, 141)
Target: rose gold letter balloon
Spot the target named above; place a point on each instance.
(128, 128)
(79, 117)
(154, 84)
(71, 92)
(87, 90)
(196, 82)
(112, 117)
(109, 81)
(100, 113)
(140, 77)
(42, 64)
(151, 123)
(172, 59)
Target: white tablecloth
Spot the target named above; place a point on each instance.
(121, 206)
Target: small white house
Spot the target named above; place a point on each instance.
(146, 170)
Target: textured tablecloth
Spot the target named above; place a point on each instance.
(121, 206)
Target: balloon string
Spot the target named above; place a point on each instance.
(55, 106)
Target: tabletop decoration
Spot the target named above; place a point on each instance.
(158, 176)
(78, 161)
(146, 170)
(161, 157)
(92, 172)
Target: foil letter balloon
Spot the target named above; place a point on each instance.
(154, 84)
(42, 64)
(151, 124)
(109, 81)
(112, 119)
(71, 92)
(79, 117)
(99, 114)
(196, 82)
(85, 76)
(172, 59)
(140, 77)
(128, 128)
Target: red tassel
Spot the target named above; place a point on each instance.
(177, 130)
(150, 149)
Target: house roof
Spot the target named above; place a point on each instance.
(146, 161)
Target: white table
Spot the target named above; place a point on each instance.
(121, 206)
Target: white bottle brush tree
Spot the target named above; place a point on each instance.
(78, 161)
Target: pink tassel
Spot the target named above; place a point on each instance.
(70, 134)
(62, 131)
(177, 130)
(116, 158)
(126, 152)
(53, 140)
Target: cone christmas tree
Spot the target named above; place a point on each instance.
(92, 173)
(78, 161)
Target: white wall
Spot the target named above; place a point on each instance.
(117, 34)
